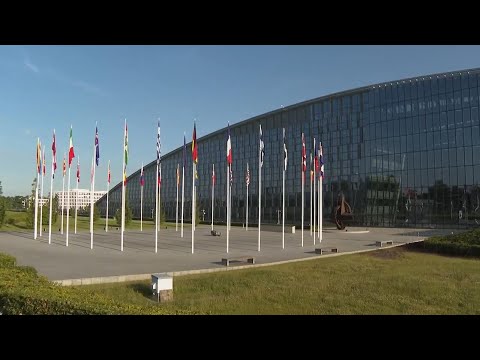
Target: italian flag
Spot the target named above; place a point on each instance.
(71, 154)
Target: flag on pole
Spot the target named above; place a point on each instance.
(78, 170)
(142, 179)
(39, 156)
(320, 155)
(213, 176)
(262, 147)
(64, 165)
(108, 174)
(247, 177)
(229, 147)
(54, 150)
(304, 155)
(178, 176)
(71, 153)
(285, 153)
(97, 147)
(159, 155)
(43, 163)
(158, 143)
(126, 156)
(194, 145)
(315, 154)
(311, 167)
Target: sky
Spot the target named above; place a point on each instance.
(54, 87)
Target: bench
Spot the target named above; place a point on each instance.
(384, 242)
(323, 250)
(215, 233)
(249, 259)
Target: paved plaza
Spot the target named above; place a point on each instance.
(58, 262)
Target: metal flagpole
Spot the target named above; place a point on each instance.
(311, 193)
(68, 206)
(156, 210)
(51, 190)
(108, 189)
(156, 187)
(70, 152)
(41, 192)
(193, 204)
(39, 165)
(176, 212)
(285, 160)
(123, 187)
(63, 189)
(248, 183)
(303, 196)
(304, 168)
(76, 196)
(194, 159)
(320, 221)
(283, 211)
(183, 197)
(320, 205)
(314, 190)
(213, 189)
(159, 197)
(260, 184)
(96, 156)
(141, 201)
(92, 204)
(228, 202)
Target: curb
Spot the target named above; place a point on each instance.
(137, 277)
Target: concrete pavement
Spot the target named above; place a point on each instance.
(77, 261)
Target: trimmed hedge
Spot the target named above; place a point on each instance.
(23, 291)
(463, 244)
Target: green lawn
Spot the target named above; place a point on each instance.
(395, 281)
(83, 223)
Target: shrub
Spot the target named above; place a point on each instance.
(23, 291)
(463, 244)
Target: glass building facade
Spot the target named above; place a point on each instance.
(404, 153)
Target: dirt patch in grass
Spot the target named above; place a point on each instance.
(388, 254)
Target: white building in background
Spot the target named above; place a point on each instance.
(83, 198)
(43, 201)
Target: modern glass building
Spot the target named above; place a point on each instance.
(404, 153)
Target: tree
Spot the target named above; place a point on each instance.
(46, 211)
(30, 215)
(2, 212)
(96, 212)
(128, 214)
(1, 189)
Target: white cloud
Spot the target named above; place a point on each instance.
(88, 87)
(31, 66)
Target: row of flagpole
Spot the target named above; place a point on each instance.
(313, 221)
(41, 169)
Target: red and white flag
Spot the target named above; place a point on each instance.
(71, 153)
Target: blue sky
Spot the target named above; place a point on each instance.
(47, 87)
